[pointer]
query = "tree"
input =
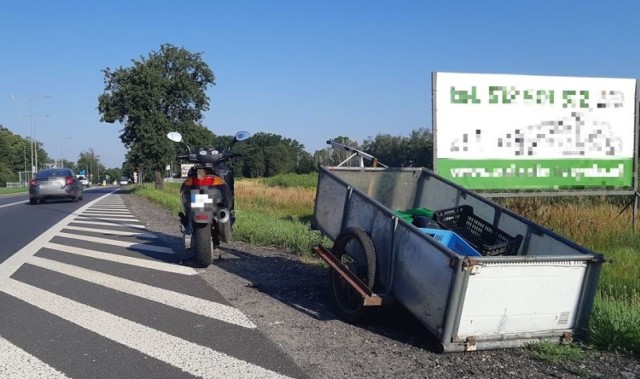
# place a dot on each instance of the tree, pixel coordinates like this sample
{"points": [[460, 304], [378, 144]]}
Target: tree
{"points": [[333, 157], [14, 155], [420, 146], [163, 92], [90, 162], [268, 154], [397, 151]]}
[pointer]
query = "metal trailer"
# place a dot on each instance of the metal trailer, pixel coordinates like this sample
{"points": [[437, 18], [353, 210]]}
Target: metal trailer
{"points": [[543, 292]]}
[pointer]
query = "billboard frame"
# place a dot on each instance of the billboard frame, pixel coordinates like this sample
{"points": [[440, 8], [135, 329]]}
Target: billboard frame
{"points": [[547, 193]]}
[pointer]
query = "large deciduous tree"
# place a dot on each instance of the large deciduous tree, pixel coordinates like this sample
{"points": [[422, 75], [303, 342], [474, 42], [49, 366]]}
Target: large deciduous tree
{"points": [[165, 91]]}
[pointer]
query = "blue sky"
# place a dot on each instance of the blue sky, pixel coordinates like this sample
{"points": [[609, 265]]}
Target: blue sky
{"points": [[306, 70]]}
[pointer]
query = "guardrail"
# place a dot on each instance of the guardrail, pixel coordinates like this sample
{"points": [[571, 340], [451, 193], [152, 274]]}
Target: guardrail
{"points": [[16, 184]]}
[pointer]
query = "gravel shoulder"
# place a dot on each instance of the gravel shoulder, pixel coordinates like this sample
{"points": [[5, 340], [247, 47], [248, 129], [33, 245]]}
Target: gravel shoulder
{"points": [[289, 301]]}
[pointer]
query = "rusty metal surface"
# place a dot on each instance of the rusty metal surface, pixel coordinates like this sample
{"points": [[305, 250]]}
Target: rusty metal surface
{"points": [[370, 299]]}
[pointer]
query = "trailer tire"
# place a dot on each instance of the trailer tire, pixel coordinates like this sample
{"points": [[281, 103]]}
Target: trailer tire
{"points": [[354, 249]]}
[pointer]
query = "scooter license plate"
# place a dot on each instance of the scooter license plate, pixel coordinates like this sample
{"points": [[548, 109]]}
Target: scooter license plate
{"points": [[201, 201]]}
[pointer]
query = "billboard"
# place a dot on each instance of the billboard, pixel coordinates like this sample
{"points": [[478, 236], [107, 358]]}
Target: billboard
{"points": [[534, 132]]}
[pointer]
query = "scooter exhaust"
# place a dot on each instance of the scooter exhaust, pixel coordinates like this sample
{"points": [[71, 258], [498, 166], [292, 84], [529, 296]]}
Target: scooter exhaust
{"points": [[223, 215]]}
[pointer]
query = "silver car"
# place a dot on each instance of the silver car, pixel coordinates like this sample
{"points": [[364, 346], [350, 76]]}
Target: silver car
{"points": [[84, 181], [55, 183]]}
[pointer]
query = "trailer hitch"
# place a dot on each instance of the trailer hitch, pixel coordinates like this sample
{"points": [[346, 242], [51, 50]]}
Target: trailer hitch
{"points": [[370, 298]]}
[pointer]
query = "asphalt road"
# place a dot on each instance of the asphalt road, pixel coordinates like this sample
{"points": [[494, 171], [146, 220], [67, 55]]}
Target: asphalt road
{"points": [[87, 292], [22, 222]]}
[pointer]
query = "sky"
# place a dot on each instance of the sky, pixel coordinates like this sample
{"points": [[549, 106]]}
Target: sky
{"points": [[306, 70]]}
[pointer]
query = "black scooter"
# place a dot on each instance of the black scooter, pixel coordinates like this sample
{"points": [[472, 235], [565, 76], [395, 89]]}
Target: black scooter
{"points": [[207, 199]]}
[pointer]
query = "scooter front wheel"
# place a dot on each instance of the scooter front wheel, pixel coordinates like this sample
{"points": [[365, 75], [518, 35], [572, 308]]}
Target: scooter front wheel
{"points": [[201, 244]]}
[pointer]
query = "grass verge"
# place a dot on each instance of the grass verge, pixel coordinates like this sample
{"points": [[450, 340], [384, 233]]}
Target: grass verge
{"points": [[278, 217], [9, 190]]}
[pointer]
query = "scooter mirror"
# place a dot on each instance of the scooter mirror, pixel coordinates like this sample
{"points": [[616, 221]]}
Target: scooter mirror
{"points": [[241, 136], [174, 136]]}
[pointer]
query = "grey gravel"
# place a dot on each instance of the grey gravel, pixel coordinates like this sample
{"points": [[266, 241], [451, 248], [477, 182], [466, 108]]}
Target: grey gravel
{"points": [[288, 299]]}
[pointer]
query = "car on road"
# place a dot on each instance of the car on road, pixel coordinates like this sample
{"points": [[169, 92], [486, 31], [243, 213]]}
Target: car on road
{"points": [[55, 183], [84, 181], [124, 181]]}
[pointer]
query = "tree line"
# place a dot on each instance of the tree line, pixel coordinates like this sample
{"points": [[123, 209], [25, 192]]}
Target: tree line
{"points": [[16, 158], [166, 91]]}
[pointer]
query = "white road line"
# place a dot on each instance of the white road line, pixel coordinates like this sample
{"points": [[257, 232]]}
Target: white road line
{"points": [[131, 261], [173, 299], [190, 357], [127, 219], [139, 226], [109, 214], [10, 204], [107, 241], [13, 263], [107, 210], [17, 363], [111, 232]]}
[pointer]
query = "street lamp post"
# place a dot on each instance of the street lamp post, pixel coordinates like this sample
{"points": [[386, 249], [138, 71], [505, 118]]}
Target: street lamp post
{"points": [[62, 151], [34, 145]]}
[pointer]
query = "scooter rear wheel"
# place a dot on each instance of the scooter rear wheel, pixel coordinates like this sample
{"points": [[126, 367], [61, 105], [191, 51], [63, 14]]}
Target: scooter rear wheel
{"points": [[201, 244]]}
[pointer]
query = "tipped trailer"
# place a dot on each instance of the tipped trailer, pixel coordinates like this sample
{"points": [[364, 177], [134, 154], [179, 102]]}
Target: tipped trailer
{"points": [[520, 283]]}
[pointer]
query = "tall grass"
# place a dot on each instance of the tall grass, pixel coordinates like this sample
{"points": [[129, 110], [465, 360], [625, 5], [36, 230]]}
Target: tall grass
{"points": [[309, 181], [600, 226]]}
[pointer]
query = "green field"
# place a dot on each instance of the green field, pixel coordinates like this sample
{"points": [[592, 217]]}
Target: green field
{"points": [[277, 212]]}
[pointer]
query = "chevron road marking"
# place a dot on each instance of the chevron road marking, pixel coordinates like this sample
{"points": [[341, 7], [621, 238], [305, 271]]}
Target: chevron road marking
{"points": [[17, 363], [131, 261], [190, 357]]}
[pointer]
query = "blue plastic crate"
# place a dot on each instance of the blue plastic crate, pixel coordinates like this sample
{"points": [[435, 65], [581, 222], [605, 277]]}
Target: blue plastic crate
{"points": [[452, 241]]}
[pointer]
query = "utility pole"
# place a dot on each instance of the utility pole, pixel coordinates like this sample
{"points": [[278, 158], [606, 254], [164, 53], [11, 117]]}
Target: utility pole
{"points": [[62, 151], [34, 144]]}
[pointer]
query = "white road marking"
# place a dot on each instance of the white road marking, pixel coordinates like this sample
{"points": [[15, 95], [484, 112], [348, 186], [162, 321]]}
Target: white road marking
{"points": [[17, 363], [89, 218], [173, 299], [190, 357], [111, 232], [13, 263], [107, 241], [77, 221], [108, 214], [131, 261], [10, 204], [108, 209]]}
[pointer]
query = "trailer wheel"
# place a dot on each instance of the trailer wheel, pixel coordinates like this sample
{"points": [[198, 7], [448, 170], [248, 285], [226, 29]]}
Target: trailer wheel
{"points": [[354, 249]]}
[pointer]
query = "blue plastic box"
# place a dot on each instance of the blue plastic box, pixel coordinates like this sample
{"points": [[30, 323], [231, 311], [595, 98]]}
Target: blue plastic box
{"points": [[452, 241]]}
